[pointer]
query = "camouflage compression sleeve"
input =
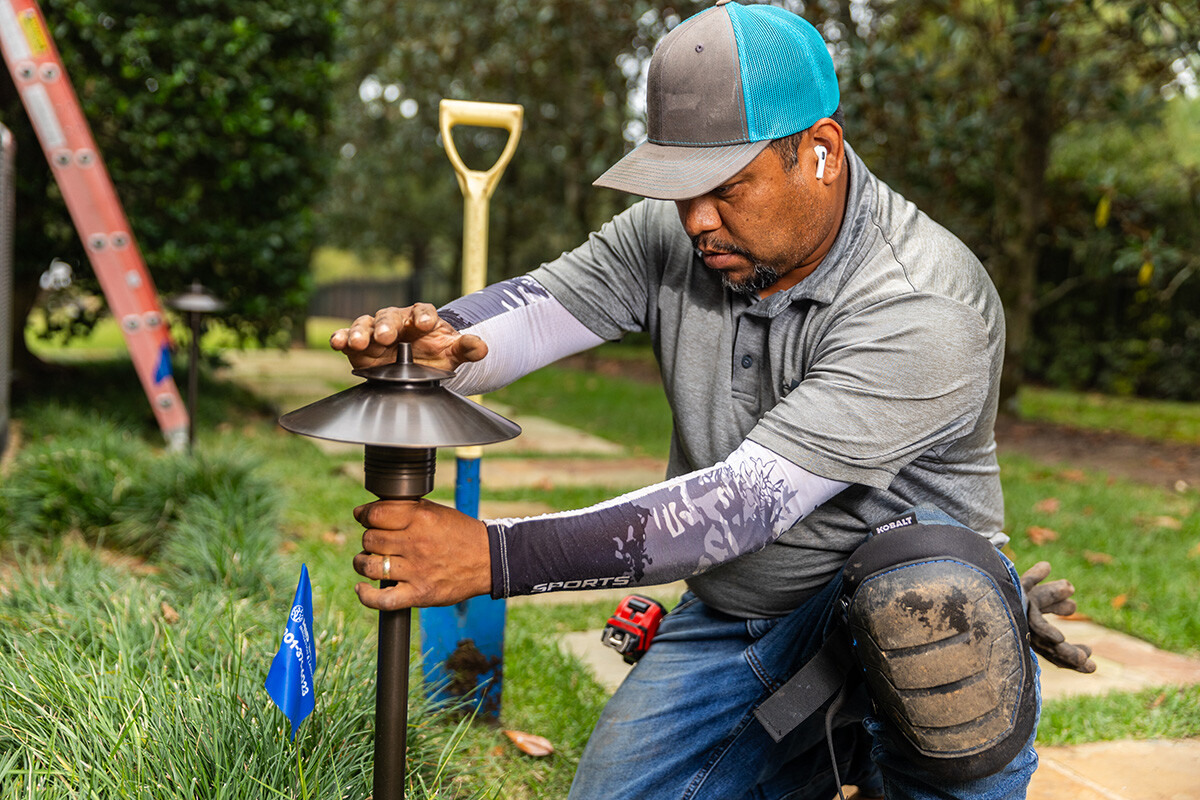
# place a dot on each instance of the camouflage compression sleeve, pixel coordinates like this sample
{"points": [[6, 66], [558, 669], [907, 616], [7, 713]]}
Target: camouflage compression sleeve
{"points": [[524, 328], [662, 533]]}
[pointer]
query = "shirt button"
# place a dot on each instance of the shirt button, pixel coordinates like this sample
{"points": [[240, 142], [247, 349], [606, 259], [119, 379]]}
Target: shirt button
{"points": [[747, 361]]}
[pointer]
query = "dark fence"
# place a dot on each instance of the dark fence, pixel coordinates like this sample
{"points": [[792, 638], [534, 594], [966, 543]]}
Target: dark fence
{"points": [[353, 298]]}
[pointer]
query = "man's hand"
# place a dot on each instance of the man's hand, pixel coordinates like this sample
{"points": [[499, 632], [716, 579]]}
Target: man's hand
{"points": [[437, 556], [1053, 598], [371, 340]]}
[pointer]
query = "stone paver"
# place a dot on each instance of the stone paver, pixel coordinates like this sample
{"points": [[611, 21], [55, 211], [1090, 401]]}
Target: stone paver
{"points": [[1123, 663], [289, 378], [1122, 770], [548, 473], [542, 436]]}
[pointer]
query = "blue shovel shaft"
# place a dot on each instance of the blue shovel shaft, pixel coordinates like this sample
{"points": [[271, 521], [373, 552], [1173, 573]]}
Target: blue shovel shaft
{"points": [[463, 645]]}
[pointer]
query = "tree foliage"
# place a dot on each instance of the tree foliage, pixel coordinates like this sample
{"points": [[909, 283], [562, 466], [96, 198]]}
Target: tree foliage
{"points": [[574, 67], [967, 105], [210, 116]]}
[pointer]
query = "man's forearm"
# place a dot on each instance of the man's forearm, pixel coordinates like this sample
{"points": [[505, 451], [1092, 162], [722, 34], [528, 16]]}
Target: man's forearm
{"points": [[662, 533], [524, 327]]}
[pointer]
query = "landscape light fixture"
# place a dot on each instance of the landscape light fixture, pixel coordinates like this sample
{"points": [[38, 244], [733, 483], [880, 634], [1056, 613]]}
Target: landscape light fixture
{"points": [[402, 414], [194, 303]]}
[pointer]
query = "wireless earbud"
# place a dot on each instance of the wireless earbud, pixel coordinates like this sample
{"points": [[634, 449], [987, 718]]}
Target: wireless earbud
{"points": [[821, 154]]}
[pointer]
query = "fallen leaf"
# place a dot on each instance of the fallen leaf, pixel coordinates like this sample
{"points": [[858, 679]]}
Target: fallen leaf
{"points": [[530, 744], [1048, 506], [1195, 551], [1039, 535], [1073, 475], [1158, 701], [1170, 523], [1077, 617], [1119, 601], [1097, 558], [1181, 486], [170, 615], [334, 537]]}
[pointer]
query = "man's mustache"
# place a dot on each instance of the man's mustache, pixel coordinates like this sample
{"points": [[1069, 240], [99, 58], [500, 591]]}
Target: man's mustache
{"points": [[705, 243]]}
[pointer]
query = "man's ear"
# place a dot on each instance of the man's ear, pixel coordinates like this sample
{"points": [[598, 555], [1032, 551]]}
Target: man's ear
{"points": [[827, 134]]}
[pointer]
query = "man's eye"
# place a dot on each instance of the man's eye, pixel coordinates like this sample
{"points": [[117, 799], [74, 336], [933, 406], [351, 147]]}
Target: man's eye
{"points": [[723, 190]]}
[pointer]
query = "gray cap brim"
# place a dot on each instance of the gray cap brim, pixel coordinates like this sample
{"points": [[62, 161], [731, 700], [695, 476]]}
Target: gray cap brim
{"points": [[667, 172]]}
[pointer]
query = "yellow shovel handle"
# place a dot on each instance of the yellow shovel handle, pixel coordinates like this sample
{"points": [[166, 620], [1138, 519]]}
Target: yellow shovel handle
{"points": [[479, 183], [477, 187]]}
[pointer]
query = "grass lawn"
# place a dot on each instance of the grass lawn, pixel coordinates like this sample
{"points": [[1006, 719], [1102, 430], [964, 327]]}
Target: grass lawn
{"points": [[105, 679], [1151, 419]]}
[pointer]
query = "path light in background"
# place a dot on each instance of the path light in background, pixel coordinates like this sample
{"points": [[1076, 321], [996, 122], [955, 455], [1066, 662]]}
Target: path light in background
{"points": [[194, 303], [401, 414]]}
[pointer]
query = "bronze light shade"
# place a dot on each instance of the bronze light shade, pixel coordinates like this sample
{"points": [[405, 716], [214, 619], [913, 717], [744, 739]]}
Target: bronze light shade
{"points": [[400, 405]]}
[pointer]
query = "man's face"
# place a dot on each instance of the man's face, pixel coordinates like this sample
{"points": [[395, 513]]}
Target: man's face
{"points": [[766, 228]]}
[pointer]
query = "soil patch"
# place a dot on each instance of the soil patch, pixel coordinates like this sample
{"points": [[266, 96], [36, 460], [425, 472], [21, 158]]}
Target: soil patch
{"points": [[1168, 465]]}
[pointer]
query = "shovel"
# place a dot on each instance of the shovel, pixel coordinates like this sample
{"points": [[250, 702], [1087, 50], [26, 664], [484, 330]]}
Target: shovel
{"points": [[463, 645]]}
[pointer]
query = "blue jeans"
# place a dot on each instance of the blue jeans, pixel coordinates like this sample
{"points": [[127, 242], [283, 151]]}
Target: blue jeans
{"points": [[681, 726]]}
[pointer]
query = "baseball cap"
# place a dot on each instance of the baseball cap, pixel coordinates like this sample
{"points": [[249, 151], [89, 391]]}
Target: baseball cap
{"points": [[721, 86]]}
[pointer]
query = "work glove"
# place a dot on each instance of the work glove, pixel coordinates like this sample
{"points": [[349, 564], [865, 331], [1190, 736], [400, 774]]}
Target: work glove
{"points": [[1052, 598]]}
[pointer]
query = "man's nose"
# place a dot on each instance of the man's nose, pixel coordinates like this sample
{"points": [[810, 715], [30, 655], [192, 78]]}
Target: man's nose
{"points": [[698, 215]]}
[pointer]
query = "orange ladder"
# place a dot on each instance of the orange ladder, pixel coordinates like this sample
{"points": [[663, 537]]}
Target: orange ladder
{"points": [[53, 108]]}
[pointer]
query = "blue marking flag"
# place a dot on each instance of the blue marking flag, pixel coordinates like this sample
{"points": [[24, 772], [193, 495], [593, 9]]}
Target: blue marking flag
{"points": [[290, 681], [162, 370]]}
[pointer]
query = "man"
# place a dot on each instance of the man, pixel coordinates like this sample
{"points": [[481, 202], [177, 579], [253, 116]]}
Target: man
{"points": [[832, 359]]}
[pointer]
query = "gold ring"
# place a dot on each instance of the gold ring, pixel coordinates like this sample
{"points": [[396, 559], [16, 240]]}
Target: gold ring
{"points": [[387, 568]]}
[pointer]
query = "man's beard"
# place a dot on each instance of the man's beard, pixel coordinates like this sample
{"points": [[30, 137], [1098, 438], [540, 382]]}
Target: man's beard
{"points": [[763, 277]]}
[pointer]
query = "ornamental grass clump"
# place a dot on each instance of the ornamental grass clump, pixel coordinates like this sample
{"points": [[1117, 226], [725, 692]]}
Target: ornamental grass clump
{"points": [[212, 515], [113, 685], [142, 598]]}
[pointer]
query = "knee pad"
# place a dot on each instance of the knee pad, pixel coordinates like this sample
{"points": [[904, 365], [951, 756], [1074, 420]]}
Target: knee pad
{"points": [[939, 630]]}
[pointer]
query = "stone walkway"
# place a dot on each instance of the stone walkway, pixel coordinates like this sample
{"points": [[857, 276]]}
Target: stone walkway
{"points": [[548, 455]]}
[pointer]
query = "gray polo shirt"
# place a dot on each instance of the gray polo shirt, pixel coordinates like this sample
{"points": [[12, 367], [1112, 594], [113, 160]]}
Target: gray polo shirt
{"points": [[880, 369]]}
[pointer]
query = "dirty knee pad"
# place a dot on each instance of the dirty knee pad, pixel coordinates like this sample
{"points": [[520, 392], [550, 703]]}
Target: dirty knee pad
{"points": [[939, 630]]}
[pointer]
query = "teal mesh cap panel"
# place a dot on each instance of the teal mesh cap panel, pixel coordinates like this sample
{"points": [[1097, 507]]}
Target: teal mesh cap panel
{"points": [[788, 80]]}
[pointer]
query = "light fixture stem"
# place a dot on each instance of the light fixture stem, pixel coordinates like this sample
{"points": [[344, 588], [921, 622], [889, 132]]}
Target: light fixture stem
{"points": [[391, 703], [394, 473]]}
